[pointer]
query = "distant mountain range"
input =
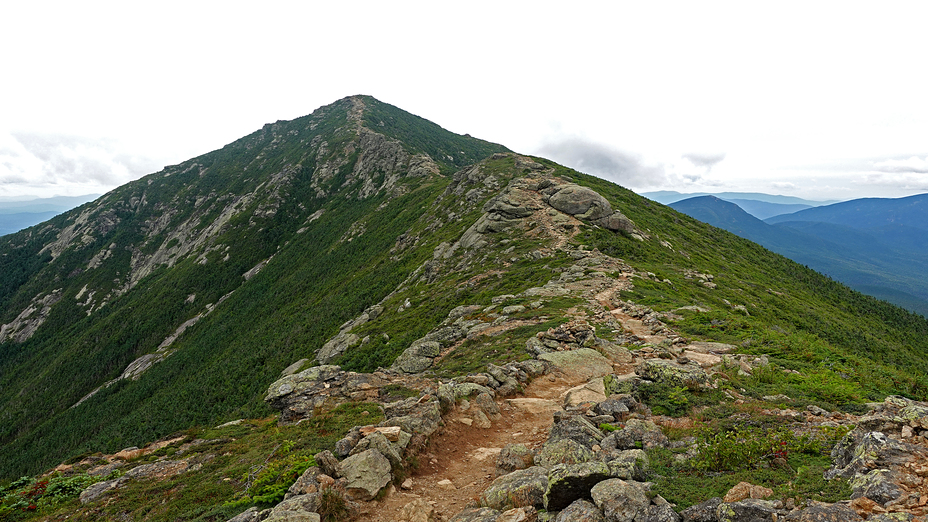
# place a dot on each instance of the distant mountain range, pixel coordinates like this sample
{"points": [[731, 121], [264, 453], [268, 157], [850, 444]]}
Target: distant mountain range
{"points": [[761, 206], [876, 246], [19, 213]]}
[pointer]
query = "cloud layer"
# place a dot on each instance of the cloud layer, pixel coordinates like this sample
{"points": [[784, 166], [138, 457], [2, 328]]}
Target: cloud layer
{"points": [[62, 163]]}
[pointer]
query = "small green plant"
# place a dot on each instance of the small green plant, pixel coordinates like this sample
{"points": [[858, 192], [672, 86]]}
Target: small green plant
{"points": [[605, 426], [332, 506]]}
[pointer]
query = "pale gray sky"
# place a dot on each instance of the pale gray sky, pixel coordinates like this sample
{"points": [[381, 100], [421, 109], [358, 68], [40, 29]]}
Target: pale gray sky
{"points": [[822, 100]]}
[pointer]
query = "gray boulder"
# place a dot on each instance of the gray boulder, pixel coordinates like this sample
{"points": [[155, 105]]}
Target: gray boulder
{"points": [[580, 364], [630, 465], [580, 511], [660, 513], [831, 513], [563, 451], [514, 457], [366, 474], [703, 512], [249, 515], [575, 427], [620, 500], [386, 448], [748, 510], [95, 491], [301, 508], [525, 487], [613, 407], [581, 202], [569, 482], [689, 375], [638, 434]]}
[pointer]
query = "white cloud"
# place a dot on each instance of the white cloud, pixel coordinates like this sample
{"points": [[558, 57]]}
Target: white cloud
{"points": [[913, 164], [64, 163]]}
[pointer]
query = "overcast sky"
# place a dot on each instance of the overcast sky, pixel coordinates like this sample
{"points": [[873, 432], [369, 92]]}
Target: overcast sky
{"points": [[822, 100]]}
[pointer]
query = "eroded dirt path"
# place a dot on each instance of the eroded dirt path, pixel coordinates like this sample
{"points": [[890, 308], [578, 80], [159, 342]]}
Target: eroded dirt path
{"points": [[466, 455]]}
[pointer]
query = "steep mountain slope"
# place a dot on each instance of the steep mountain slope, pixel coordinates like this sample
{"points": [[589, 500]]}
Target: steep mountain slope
{"points": [[360, 235], [234, 262], [863, 258]]}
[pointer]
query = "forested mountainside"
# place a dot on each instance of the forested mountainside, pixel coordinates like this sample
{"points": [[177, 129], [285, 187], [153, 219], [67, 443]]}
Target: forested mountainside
{"points": [[859, 243], [175, 300]]}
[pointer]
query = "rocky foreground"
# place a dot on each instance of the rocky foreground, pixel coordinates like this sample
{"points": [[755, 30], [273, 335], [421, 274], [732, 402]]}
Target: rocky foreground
{"points": [[562, 436], [580, 472]]}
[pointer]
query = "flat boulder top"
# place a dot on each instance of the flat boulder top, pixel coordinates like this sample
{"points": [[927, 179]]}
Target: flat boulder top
{"points": [[583, 363], [707, 347]]}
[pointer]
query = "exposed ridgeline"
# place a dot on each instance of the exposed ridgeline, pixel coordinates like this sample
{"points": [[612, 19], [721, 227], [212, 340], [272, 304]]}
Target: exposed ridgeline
{"points": [[354, 236], [93, 299]]}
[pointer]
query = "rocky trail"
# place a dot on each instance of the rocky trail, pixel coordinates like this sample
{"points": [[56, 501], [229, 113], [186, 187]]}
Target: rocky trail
{"points": [[461, 461]]}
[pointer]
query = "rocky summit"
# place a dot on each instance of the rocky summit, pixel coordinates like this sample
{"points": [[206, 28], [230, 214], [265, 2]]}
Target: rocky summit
{"points": [[358, 315]]}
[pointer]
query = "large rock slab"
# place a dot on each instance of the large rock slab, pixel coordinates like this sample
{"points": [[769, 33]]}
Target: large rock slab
{"points": [[749, 510], [690, 376], [593, 391], [581, 202], [620, 500], [564, 451], [580, 364], [580, 511], [366, 474], [570, 482], [525, 487], [575, 427]]}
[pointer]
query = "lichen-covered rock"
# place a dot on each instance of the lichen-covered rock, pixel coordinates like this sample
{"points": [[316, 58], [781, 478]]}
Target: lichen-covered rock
{"points": [[690, 375], [563, 451], [409, 362], [514, 457], [575, 427], [580, 364], [337, 346], [581, 202], [828, 513], [749, 510], [95, 491], [877, 485], [302, 508], [525, 487], [591, 392], [379, 441], [485, 402], [639, 434], [366, 474], [306, 483], [630, 465], [466, 389], [328, 464], [249, 515], [414, 416], [569, 482], [620, 500], [660, 513], [580, 511], [613, 407], [702, 512]]}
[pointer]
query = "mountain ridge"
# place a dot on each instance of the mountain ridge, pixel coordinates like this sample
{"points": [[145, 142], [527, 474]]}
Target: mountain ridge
{"points": [[388, 242]]}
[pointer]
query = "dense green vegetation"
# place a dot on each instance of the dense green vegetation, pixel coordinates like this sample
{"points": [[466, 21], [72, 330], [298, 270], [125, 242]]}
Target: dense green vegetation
{"points": [[803, 320], [248, 464]]}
